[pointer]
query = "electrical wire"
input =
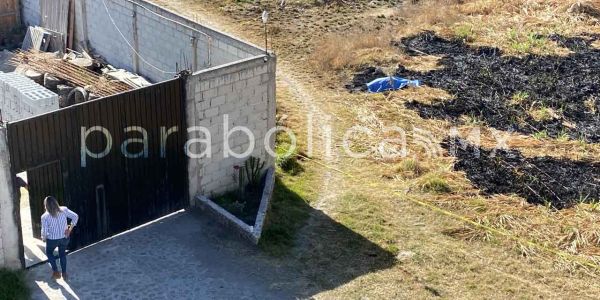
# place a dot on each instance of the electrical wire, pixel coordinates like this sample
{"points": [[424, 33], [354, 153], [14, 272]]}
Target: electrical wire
{"points": [[129, 44], [170, 20]]}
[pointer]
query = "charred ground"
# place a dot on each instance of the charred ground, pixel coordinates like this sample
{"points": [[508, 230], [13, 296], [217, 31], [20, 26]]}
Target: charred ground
{"points": [[506, 91], [541, 180]]}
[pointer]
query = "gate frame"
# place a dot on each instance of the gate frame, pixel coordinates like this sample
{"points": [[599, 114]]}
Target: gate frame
{"points": [[182, 77]]}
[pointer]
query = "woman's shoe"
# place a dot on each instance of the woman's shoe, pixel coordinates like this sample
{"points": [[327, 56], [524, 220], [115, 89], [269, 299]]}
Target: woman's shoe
{"points": [[55, 275]]}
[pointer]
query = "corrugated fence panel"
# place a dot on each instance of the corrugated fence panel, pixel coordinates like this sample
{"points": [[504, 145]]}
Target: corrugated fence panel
{"points": [[112, 193]]}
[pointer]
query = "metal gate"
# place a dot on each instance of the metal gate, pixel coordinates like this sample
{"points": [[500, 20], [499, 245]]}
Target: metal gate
{"points": [[117, 161]]}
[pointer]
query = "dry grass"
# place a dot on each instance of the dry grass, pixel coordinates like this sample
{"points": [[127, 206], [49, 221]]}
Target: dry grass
{"points": [[569, 230], [411, 168], [336, 52], [424, 14], [466, 261], [517, 27]]}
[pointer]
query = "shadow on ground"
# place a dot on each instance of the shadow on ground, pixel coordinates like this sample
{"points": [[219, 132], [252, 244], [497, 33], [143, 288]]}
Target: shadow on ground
{"points": [[556, 94], [188, 255], [541, 180], [327, 253]]}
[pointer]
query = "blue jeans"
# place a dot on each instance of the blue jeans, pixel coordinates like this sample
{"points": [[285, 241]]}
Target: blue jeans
{"points": [[62, 253]]}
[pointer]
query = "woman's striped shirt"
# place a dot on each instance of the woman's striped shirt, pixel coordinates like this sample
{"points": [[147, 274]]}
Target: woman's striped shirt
{"points": [[53, 228]]}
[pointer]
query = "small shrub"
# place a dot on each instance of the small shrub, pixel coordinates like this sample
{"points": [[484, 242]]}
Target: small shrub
{"points": [[464, 32], [543, 114], [285, 159], [290, 165], [540, 135], [435, 184], [519, 98], [411, 168]]}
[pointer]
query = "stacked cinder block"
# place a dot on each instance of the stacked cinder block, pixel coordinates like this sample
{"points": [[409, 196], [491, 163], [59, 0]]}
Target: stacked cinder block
{"points": [[21, 97]]}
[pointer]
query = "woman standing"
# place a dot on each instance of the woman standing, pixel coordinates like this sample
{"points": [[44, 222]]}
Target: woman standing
{"points": [[55, 232]]}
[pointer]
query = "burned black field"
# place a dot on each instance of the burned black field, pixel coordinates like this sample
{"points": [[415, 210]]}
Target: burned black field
{"points": [[503, 91], [541, 180], [558, 96]]}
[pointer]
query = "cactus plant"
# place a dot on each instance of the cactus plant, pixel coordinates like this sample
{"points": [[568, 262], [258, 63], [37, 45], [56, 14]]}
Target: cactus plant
{"points": [[253, 167]]}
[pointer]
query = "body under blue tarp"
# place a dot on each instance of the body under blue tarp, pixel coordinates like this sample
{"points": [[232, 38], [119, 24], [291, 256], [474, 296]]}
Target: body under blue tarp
{"points": [[390, 84]]}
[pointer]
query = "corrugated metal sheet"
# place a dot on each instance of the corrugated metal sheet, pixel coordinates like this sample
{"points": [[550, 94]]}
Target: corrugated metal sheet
{"points": [[114, 193], [55, 16]]}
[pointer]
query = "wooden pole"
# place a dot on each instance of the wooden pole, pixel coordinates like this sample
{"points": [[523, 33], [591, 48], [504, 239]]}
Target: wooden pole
{"points": [[71, 24]]}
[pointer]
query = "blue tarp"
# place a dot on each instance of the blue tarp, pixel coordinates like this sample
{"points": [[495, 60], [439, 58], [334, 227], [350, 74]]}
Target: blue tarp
{"points": [[390, 84]]}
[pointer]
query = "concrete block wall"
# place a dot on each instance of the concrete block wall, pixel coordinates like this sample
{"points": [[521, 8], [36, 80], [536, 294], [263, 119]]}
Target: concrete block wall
{"points": [[163, 39], [30, 12], [10, 244], [244, 93]]}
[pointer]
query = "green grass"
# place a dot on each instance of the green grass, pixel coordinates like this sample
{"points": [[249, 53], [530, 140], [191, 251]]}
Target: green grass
{"points": [[287, 160], [464, 32], [12, 285], [543, 114], [541, 135], [289, 212], [526, 42], [365, 215], [563, 136], [411, 168], [435, 184], [244, 210], [519, 98]]}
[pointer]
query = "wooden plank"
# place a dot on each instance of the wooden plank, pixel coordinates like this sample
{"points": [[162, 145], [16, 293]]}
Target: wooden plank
{"points": [[9, 15], [17, 6]]}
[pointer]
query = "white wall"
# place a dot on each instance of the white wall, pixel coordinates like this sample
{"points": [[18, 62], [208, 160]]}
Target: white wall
{"points": [[30, 12], [164, 39], [245, 91], [10, 244]]}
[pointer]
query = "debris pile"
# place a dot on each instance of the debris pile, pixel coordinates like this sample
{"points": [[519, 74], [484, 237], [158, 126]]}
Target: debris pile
{"points": [[75, 76], [70, 72], [38, 38]]}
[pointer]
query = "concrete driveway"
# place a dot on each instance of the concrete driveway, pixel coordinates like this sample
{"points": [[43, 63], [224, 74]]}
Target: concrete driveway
{"points": [[183, 256]]}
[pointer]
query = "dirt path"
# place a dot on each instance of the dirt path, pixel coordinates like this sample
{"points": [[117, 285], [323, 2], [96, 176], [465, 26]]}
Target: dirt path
{"points": [[437, 263], [286, 79]]}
